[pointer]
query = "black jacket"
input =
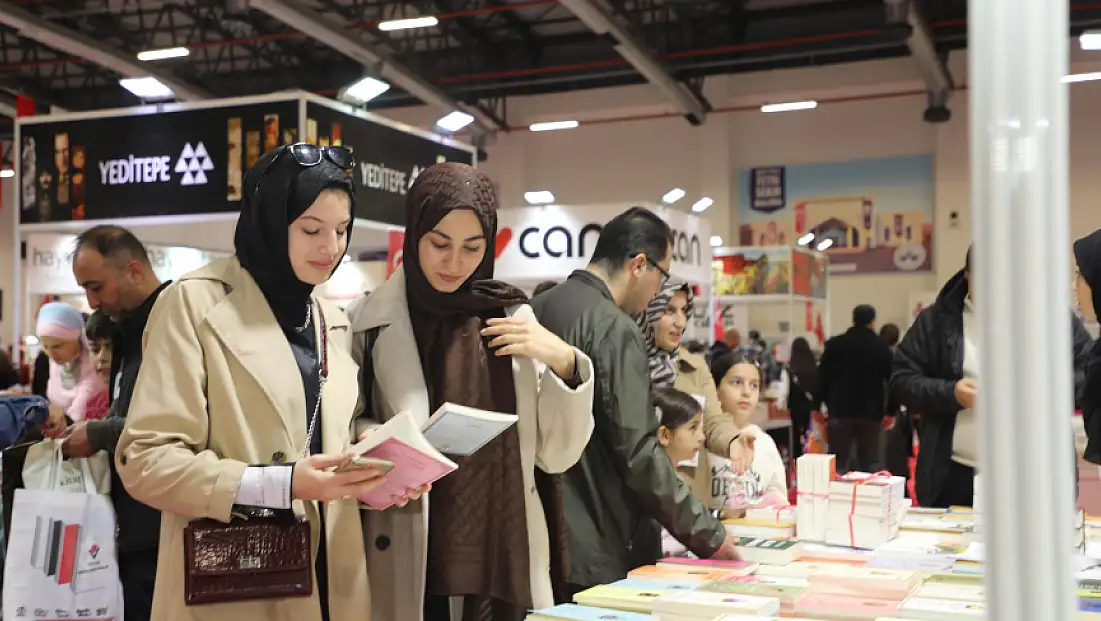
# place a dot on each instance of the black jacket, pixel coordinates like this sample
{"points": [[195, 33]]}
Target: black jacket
{"points": [[139, 526], [927, 365], [624, 476], [853, 375]]}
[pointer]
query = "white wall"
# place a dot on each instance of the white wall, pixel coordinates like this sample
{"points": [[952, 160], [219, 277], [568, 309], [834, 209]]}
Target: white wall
{"points": [[880, 115]]}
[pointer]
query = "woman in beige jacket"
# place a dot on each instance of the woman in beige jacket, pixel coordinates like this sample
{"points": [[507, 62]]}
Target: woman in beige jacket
{"points": [[232, 379], [478, 546]]}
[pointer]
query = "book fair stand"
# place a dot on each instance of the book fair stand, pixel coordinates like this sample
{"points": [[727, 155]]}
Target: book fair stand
{"points": [[1022, 552], [173, 173]]}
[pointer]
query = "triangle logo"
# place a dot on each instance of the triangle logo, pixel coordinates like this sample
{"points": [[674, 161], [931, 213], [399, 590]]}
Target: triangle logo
{"points": [[181, 165], [187, 152], [208, 164], [200, 151], [200, 178], [187, 179], [193, 165]]}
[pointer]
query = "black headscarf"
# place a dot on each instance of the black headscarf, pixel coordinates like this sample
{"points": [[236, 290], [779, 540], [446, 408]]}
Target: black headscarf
{"points": [[286, 192], [1087, 254], [439, 190]]}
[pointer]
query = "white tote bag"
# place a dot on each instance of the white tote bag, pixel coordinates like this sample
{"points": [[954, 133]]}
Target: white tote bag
{"points": [[42, 467], [61, 561]]}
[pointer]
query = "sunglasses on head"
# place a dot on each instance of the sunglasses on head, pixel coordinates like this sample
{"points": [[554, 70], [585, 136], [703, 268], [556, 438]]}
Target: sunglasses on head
{"points": [[307, 155]]}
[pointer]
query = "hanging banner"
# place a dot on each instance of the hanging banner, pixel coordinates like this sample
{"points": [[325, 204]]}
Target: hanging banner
{"points": [[388, 157], [172, 163], [48, 268], [549, 242]]}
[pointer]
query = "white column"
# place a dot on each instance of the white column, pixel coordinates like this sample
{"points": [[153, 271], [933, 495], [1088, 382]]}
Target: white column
{"points": [[1018, 54]]}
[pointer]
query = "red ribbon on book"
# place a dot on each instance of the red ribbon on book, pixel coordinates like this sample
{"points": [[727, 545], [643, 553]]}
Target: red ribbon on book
{"points": [[848, 478]]}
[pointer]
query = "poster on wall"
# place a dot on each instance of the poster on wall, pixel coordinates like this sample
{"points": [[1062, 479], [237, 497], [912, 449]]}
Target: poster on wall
{"points": [[751, 271], [869, 216], [549, 242], [387, 159], [167, 164]]}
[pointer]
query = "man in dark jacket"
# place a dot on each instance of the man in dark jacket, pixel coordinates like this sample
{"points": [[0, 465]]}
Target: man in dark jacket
{"points": [[113, 268], [936, 375], [624, 479], [852, 382]]}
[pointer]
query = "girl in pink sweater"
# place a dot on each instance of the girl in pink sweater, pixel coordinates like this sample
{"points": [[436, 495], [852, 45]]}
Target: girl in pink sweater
{"points": [[73, 378]]}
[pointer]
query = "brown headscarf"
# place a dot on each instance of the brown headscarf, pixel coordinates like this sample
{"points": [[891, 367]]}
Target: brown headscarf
{"points": [[477, 529]]}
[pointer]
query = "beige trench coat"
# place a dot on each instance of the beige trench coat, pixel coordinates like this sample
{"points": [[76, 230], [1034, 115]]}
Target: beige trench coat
{"points": [[555, 425], [219, 389]]}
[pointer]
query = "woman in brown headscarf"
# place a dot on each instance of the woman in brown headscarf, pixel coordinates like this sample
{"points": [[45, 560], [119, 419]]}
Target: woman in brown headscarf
{"points": [[478, 547]]}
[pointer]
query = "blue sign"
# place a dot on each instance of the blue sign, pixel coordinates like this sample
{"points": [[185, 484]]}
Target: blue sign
{"points": [[766, 190]]}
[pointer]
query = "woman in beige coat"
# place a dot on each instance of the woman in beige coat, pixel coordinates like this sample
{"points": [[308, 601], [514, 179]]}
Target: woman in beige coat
{"points": [[242, 367], [477, 547]]}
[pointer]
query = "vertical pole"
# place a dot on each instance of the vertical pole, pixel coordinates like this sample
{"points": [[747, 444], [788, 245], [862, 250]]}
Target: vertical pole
{"points": [[1018, 56]]}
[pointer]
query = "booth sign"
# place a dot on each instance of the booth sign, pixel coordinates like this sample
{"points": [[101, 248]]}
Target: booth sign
{"points": [[547, 243]]}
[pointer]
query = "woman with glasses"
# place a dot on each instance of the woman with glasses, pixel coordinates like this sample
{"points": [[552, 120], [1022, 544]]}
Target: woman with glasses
{"points": [[488, 540], [245, 400]]}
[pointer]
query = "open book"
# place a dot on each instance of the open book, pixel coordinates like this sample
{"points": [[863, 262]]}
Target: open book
{"points": [[418, 454]]}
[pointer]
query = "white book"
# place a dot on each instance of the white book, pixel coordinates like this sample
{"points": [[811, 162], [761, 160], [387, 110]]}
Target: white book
{"points": [[460, 430], [941, 609], [708, 605]]}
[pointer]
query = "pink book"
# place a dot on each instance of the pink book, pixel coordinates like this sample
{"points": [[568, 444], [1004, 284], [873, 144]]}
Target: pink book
{"points": [[847, 608], [742, 568], [416, 461]]}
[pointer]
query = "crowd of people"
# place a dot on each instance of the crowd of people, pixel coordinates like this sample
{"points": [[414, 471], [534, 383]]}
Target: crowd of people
{"points": [[236, 391]]}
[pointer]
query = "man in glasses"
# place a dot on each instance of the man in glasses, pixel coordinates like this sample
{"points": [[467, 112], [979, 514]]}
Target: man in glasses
{"points": [[624, 479]]}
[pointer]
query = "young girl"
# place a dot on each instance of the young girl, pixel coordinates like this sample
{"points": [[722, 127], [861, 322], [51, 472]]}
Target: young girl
{"points": [[738, 381], [681, 435]]}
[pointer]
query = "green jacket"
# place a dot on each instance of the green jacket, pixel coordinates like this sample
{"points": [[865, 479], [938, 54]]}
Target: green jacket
{"points": [[624, 475]]}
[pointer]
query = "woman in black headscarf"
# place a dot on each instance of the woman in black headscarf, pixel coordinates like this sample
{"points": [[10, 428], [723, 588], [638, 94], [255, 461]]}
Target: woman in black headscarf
{"points": [[246, 393], [1087, 292], [484, 537]]}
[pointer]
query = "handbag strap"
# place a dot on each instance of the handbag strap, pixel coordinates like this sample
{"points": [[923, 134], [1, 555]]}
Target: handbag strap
{"points": [[322, 377]]}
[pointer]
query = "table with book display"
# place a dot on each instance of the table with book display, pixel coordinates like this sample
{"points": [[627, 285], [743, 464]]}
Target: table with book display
{"points": [[853, 548]]}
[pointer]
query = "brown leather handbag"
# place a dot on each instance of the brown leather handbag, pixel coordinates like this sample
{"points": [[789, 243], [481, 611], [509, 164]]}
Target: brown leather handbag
{"points": [[260, 553]]}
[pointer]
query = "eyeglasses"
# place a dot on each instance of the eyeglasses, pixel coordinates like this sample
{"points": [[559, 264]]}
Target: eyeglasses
{"points": [[665, 275], [309, 155]]}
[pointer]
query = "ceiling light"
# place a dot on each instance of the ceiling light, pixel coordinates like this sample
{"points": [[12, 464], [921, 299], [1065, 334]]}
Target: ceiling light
{"points": [[147, 88], [1090, 40], [701, 205], [789, 106], [363, 91], [716, 241], [806, 239], [406, 24], [825, 243], [539, 197], [672, 196], [551, 126], [7, 173], [1082, 77], [455, 121], [171, 52]]}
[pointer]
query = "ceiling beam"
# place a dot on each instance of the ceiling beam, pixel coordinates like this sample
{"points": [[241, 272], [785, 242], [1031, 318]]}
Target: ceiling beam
{"points": [[600, 20], [375, 57], [938, 81], [72, 42]]}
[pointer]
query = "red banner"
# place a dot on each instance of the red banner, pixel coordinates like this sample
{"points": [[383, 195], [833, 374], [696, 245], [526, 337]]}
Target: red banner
{"points": [[24, 106], [394, 252]]}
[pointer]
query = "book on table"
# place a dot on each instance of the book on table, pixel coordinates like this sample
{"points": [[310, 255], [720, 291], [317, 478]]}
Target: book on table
{"points": [[420, 453]]}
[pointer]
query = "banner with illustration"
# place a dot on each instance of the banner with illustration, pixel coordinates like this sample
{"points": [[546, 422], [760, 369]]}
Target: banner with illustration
{"points": [[869, 216]]}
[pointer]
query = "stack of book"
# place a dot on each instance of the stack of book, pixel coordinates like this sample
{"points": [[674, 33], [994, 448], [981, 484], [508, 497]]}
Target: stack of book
{"points": [[705, 606], [769, 551], [941, 609], [787, 590], [772, 515], [856, 593], [748, 527], [864, 510], [814, 473], [574, 612], [925, 554]]}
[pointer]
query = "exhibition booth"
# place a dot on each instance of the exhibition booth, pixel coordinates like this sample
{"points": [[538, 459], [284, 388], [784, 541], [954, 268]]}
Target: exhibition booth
{"points": [[173, 174]]}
